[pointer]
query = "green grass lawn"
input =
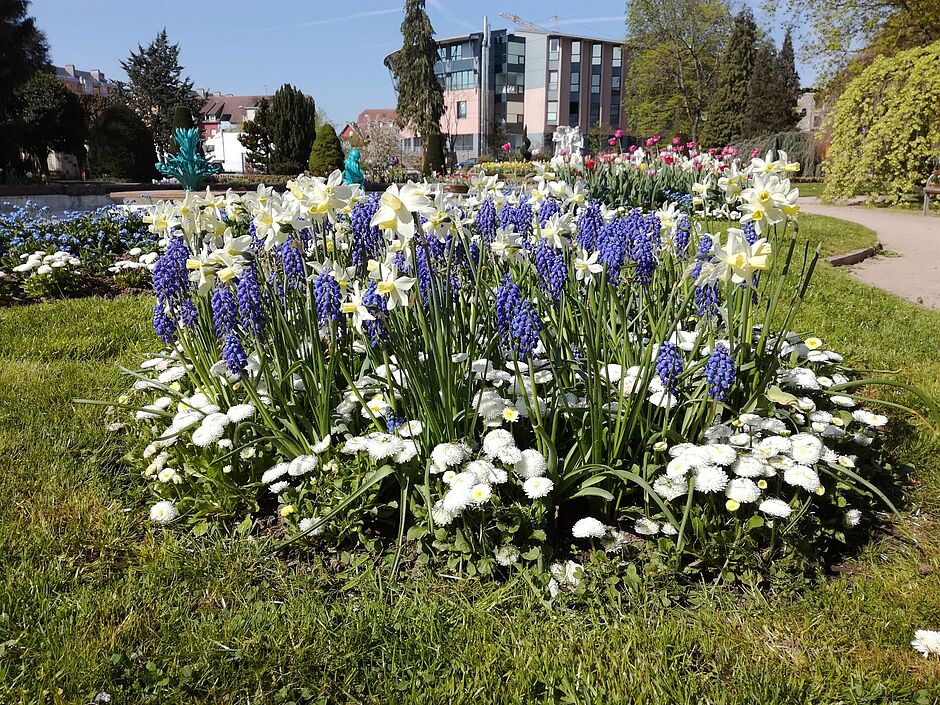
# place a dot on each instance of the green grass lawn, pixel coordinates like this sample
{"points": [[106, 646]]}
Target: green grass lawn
{"points": [[93, 598]]}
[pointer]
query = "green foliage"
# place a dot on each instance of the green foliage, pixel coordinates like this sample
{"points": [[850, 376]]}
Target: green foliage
{"points": [[24, 52], [53, 119], [885, 126], [728, 111], [182, 119], [790, 88], [327, 153], [672, 51], [802, 147], [256, 138], [157, 87], [434, 160], [122, 146], [420, 96], [291, 126]]}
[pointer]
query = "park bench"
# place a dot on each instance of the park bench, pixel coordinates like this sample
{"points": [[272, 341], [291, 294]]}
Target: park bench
{"points": [[931, 188]]}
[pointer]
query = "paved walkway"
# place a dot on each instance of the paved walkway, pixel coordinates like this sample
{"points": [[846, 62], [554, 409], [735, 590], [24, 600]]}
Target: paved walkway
{"points": [[913, 272]]}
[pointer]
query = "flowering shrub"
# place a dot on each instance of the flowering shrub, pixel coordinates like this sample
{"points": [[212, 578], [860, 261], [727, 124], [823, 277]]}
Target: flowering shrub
{"points": [[498, 377]]}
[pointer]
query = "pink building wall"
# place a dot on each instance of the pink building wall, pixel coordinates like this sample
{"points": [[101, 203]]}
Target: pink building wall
{"points": [[534, 110]]}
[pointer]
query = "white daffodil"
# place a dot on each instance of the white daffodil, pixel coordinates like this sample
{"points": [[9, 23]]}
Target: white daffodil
{"points": [[393, 286], [354, 307], [586, 266], [397, 206], [736, 260]]}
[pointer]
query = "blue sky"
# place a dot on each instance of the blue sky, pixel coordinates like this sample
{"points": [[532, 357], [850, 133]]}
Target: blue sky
{"points": [[331, 50]]}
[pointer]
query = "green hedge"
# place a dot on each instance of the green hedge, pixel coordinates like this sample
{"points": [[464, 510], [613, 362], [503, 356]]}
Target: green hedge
{"points": [[802, 147]]}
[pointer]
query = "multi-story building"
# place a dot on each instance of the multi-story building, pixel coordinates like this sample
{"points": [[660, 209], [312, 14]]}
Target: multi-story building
{"points": [[498, 81], [91, 82], [812, 114], [220, 122]]}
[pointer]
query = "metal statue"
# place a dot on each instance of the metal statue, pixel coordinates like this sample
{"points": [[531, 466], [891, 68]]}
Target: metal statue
{"points": [[188, 165], [353, 173]]}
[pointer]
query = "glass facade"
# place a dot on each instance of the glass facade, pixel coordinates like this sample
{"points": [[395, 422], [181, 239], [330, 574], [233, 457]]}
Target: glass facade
{"points": [[574, 86]]}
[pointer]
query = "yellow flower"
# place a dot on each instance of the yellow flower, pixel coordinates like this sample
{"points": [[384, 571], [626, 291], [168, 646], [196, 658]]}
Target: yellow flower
{"points": [[762, 484], [287, 510], [732, 505], [813, 343]]}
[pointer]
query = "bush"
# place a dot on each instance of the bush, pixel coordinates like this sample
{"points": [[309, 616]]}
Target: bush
{"points": [[291, 127], [122, 146], [326, 156], [885, 127]]}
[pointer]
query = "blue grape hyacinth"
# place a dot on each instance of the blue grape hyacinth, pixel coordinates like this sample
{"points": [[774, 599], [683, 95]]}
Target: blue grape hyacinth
{"points": [[719, 372], [669, 366]]}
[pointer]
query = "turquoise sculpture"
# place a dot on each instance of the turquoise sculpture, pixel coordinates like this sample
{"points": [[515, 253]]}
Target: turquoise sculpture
{"points": [[353, 173], [188, 165]]}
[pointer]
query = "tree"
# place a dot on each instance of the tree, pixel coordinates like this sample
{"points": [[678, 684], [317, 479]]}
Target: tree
{"points": [[841, 34], [256, 138], [53, 119], [727, 113], [790, 89], [291, 123], [885, 132], [157, 87], [672, 52], [420, 95], [382, 148], [434, 159], [764, 94], [182, 119], [24, 51], [121, 145], [327, 153]]}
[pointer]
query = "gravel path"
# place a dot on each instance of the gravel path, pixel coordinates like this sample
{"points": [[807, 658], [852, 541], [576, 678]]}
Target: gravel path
{"points": [[912, 270]]}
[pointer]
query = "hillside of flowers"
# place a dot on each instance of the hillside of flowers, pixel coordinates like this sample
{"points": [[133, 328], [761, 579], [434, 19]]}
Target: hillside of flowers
{"points": [[47, 256], [505, 379]]}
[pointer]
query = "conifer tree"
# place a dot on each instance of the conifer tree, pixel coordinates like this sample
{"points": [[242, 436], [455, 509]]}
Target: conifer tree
{"points": [[326, 156], [764, 94], [420, 95], [157, 87], [790, 90], [256, 138], [726, 114], [291, 123]]}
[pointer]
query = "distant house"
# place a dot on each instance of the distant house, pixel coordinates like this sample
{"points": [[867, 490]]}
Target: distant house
{"points": [[220, 124], [372, 116], [351, 135], [813, 113], [91, 82], [83, 83]]}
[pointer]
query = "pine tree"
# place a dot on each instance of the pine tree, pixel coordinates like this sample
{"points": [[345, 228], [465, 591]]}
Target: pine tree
{"points": [[182, 119], [327, 153], [790, 90], [292, 129], [256, 138], [420, 96], [157, 87], [121, 145], [762, 112], [23, 52], [726, 114]]}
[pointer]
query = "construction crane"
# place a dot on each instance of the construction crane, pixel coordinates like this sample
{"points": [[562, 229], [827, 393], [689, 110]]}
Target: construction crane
{"points": [[531, 26]]}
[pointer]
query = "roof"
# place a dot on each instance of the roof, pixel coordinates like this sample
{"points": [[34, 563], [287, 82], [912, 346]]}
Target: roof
{"points": [[371, 115], [229, 108], [92, 78]]}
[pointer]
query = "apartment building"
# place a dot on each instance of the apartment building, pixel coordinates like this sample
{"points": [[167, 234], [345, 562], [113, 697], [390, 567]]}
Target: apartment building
{"points": [[498, 81]]}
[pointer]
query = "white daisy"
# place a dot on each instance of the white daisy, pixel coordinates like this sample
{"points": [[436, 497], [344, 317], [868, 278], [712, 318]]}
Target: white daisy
{"points": [[805, 448], [670, 487], [710, 478], [531, 464], [802, 476], [163, 512], [240, 412], [645, 526], [588, 527], [480, 493], [927, 642], [775, 508], [537, 487], [742, 490]]}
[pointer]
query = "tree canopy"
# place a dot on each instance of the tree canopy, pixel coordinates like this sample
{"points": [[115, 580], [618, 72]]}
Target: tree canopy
{"points": [[53, 119], [727, 113], [885, 131], [291, 127], [420, 95], [673, 49], [121, 145], [157, 87]]}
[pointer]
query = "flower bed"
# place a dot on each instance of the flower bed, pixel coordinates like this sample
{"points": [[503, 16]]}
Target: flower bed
{"points": [[44, 256], [499, 378]]}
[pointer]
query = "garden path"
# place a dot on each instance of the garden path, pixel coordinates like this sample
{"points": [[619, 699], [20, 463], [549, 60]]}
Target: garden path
{"points": [[912, 269]]}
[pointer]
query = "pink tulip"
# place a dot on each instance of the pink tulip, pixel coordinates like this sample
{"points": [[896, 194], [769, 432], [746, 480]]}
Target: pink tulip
{"points": [[618, 134], [676, 140], [612, 141], [506, 147]]}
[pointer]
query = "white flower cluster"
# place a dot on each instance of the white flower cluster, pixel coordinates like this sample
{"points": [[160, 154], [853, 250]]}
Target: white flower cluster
{"points": [[41, 262]]}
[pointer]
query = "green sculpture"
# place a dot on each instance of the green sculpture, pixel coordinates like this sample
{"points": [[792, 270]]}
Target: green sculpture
{"points": [[353, 173], [188, 165]]}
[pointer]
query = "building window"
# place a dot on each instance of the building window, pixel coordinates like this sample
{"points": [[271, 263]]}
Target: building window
{"points": [[516, 53], [595, 114], [595, 83], [596, 54], [574, 113], [553, 112], [618, 57], [575, 52], [461, 108], [460, 80], [553, 49], [553, 80], [575, 81], [615, 113], [615, 82]]}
